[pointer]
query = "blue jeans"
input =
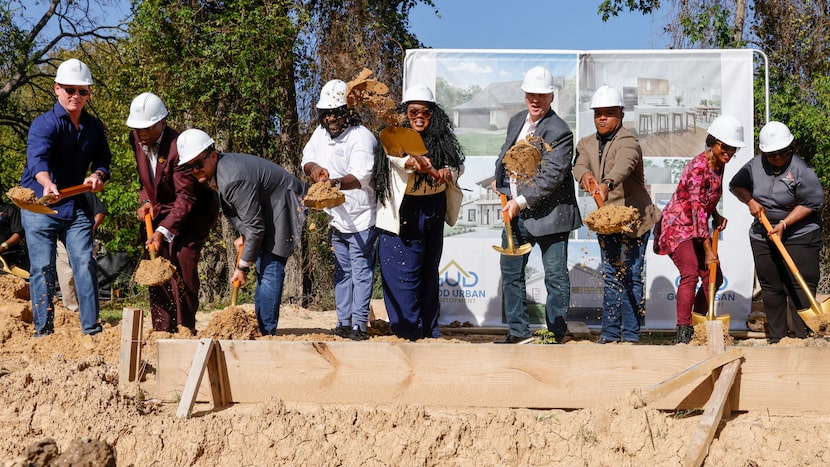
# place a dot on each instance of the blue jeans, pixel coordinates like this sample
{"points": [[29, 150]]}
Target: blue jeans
{"points": [[623, 258], [270, 270], [557, 282], [354, 275], [42, 235]]}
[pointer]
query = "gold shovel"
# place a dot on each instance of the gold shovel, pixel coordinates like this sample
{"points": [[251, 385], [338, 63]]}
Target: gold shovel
{"points": [[808, 314], [235, 291], [713, 278], [511, 249], [14, 270], [399, 141], [40, 206]]}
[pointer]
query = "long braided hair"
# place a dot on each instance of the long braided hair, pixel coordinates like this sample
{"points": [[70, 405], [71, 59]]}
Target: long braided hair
{"points": [[443, 150]]}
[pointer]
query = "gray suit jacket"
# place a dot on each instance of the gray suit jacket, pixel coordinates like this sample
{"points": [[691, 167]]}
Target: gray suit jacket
{"points": [[263, 201], [550, 195]]}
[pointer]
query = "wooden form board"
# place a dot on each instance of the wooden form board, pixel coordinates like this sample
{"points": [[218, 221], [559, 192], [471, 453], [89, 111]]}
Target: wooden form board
{"points": [[486, 375]]}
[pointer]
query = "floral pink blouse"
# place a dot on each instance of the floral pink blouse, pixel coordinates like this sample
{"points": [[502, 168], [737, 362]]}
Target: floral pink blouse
{"points": [[687, 214]]}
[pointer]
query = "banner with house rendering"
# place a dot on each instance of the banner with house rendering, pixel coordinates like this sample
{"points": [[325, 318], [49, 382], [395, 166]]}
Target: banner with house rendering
{"points": [[670, 97]]}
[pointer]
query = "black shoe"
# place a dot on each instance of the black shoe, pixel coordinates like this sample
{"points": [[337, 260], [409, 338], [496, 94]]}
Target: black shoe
{"points": [[603, 340], [358, 335], [684, 334], [342, 331], [511, 339]]}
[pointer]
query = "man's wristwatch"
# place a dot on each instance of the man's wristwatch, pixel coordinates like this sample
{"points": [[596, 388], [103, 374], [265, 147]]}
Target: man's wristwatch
{"points": [[336, 182], [245, 269], [610, 184]]}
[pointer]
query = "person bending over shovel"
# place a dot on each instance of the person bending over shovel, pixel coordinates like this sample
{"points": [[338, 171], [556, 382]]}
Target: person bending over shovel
{"points": [[263, 201], [610, 161], [542, 209], [182, 213]]}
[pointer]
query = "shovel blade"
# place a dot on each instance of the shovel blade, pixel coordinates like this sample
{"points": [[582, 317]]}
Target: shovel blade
{"points": [[810, 316], [34, 207], [397, 141], [520, 251]]}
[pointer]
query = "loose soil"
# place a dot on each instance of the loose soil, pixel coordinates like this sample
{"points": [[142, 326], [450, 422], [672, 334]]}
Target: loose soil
{"points": [[154, 271], [522, 160], [22, 195], [613, 219], [60, 404], [322, 195]]}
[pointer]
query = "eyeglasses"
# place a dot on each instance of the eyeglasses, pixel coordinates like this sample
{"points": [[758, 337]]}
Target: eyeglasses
{"points": [[71, 91], [779, 153], [415, 113], [195, 164], [333, 113], [727, 148]]}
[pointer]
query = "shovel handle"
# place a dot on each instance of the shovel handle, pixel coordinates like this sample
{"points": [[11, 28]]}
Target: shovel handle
{"points": [[508, 228], [236, 283], [66, 193], [148, 225], [592, 187], [713, 276], [790, 263]]}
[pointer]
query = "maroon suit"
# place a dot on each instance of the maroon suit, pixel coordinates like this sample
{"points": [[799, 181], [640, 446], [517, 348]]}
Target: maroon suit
{"points": [[188, 210]]}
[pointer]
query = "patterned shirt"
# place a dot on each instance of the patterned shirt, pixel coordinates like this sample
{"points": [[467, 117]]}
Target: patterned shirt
{"points": [[687, 214]]}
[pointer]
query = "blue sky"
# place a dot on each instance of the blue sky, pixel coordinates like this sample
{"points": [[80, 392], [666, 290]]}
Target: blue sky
{"points": [[532, 24]]}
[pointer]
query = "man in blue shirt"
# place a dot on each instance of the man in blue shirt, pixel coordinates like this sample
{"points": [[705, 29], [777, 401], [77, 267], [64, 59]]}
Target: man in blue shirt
{"points": [[66, 147]]}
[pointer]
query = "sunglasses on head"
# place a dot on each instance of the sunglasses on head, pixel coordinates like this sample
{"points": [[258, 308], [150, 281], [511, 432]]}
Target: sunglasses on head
{"points": [[71, 91], [414, 113]]}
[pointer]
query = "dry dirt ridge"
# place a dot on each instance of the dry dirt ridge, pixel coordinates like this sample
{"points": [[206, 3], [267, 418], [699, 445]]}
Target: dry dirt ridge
{"points": [[61, 405]]}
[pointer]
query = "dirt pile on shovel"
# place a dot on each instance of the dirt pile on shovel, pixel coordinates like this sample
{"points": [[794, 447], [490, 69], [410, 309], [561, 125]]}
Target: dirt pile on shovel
{"points": [[819, 324], [22, 195], [322, 195], [613, 219], [522, 160], [154, 271]]}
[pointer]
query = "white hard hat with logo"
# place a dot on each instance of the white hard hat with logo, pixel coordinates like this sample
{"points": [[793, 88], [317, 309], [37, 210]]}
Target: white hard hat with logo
{"points": [[191, 143], [418, 92], [774, 136], [538, 80], [146, 110], [73, 72], [606, 96], [333, 95], [729, 130]]}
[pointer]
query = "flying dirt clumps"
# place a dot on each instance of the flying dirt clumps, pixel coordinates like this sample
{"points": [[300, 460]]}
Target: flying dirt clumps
{"points": [[322, 195], [22, 195], [522, 160], [613, 219], [154, 272], [233, 323], [373, 94]]}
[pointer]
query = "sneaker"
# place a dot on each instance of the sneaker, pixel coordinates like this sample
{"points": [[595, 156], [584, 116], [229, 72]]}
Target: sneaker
{"points": [[342, 331], [603, 340], [684, 334], [358, 335]]}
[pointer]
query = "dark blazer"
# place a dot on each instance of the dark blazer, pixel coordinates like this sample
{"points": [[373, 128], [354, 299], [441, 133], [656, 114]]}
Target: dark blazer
{"points": [[550, 194], [263, 201], [181, 204]]}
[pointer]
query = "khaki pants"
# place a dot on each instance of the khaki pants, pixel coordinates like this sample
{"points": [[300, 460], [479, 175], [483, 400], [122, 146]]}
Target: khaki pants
{"points": [[66, 280]]}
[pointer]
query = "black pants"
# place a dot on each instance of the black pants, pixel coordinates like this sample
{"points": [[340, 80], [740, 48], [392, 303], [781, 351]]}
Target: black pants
{"points": [[778, 283]]}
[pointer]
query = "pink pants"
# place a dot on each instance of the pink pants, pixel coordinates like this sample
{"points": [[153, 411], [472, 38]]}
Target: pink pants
{"points": [[690, 259]]}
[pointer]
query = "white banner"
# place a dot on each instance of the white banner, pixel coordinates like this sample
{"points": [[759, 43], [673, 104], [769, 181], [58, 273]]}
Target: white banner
{"points": [[670, 98]]}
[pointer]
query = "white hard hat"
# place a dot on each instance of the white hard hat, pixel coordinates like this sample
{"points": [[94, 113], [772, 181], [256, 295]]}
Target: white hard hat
{"points": [[418, 92], [146, 110], [73, 72], [606, 96], [191, 143], [728, 129], [774, 136], [333, 95], [538, 80]]}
